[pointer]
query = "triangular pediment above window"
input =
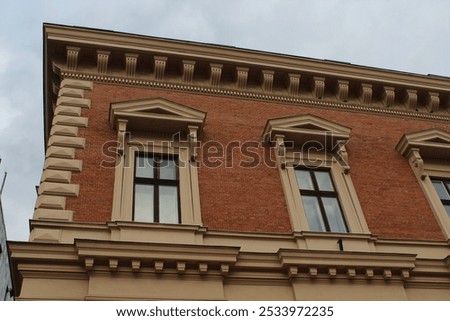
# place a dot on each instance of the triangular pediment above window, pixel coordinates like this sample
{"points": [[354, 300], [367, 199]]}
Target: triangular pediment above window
{"points": [[304, 129], [431, 143], [156, 115]]}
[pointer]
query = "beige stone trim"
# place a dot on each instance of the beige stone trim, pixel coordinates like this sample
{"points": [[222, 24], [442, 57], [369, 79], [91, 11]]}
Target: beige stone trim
{"points": [[241, 77], [129, 251], [331, 137], [107, 266], [295, 129], [123, 41], [73, 165], [352, 210], [249, 242], [70, 121], [366, 94], [267, 80], [348, 262], [130, 64], [74, 101], [215, 74], [68, 110], [413, 90], [318, 87], [433, 102], [156, 115], [76, 84], [293, 84], [60, 152], [60, 163], [428, 152], [388, 96], [51, 202], [188, 71], [64, 130], [60, 189], [342, 90], [71, 92], [56, 176], [349, 106], [102, 61], [72, 57], [169, 118], [47, 236], [411, 99], [188, 180], [66, 141], [50, 214], [160, 67]]}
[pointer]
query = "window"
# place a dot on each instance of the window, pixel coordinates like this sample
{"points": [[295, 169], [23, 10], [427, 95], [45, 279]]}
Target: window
{"points": [[156, 175], [156, 189], [442, 188], [428, 153], [315, 174], [320, 200]]}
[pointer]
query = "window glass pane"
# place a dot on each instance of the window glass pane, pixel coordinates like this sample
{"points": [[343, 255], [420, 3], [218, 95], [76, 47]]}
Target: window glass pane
{"points": [[143, 203], [168, 204], [447, 208], [334, 215], [324, 181], [167, 169], [440, 189], [304, 179], [312, 211], [144, 166]]}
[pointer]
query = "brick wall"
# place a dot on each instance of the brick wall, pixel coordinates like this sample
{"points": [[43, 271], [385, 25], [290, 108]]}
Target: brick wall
{"points": [[251, 199]]}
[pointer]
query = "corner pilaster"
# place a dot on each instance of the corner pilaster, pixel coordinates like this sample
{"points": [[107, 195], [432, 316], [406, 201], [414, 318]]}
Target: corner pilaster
{"points": [[56, 180]]}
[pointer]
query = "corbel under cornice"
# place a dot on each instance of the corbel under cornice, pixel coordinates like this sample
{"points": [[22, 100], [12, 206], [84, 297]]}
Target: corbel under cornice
{"points": [[235, 72]]}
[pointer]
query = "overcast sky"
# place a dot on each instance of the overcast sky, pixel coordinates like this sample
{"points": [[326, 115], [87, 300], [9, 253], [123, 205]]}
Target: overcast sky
{"points": [[405, 35]]}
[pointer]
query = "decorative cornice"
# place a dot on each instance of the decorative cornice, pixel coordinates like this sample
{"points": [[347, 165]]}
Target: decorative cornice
{"points": [[229, 71], [335, 262], [254, 95], [160, 255]]}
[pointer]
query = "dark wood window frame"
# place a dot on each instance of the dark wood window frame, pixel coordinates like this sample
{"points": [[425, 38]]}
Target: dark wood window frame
{"points": [[445, 182], [319, 194], [157, 182]]}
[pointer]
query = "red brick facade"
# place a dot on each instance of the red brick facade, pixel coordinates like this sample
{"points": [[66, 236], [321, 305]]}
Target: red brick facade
{"points": [[251, 199], [378, 230]]}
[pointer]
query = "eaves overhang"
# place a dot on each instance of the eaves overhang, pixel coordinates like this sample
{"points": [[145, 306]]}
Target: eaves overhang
{"points": [[109, 56]]}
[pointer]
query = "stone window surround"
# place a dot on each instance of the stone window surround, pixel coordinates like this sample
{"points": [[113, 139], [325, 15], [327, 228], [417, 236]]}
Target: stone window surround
{"points": [[300, 129], [428, 153], [129, 118]]}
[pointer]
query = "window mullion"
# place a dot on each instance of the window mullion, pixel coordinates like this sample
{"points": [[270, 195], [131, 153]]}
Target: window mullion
{"points": [[319, 198], [156, 162], [324, 215]]}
